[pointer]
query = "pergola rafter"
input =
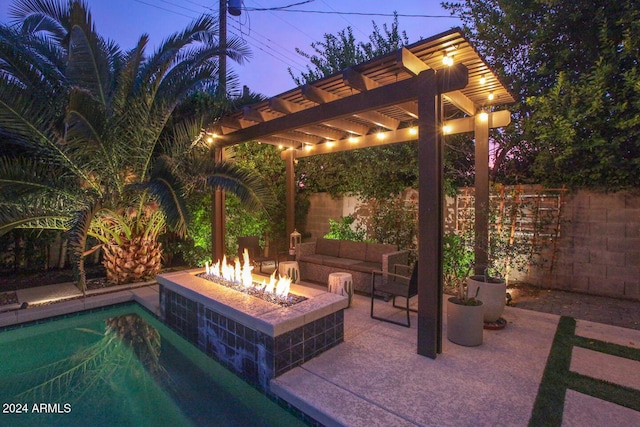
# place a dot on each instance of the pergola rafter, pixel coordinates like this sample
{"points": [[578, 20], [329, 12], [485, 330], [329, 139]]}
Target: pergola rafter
{"points": [[402, 96]]}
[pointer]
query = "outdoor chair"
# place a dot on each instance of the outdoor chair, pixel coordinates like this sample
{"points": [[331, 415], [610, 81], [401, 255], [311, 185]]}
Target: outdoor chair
{"points": [[256, 253], [395, 285]]}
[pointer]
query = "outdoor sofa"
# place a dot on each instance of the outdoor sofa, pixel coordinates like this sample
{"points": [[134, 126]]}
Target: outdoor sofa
{"points": [[319, 258]]}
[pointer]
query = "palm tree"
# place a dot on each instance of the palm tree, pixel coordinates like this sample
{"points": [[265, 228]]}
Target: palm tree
{"points": [[95, 151]]}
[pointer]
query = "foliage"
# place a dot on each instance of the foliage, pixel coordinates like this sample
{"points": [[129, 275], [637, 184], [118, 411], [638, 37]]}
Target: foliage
{"points": [[371, 173], [239, 223], [394, 221], [269, 224], [194, 248], [577, 91], [601, 112], [99, 151], [337, 52], [457, 262], [344, 230], [25, 250]]}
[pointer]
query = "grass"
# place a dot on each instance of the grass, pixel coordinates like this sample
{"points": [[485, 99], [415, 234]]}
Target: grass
{"points": [[557, 377]]}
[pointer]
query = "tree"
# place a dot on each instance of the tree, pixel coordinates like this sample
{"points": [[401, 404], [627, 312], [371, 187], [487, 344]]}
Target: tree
{"points": [[577, 89], [338, 52], [99, 154]]}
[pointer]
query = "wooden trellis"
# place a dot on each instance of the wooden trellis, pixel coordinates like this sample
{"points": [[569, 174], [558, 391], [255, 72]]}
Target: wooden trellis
{"points": [[532, 213]]}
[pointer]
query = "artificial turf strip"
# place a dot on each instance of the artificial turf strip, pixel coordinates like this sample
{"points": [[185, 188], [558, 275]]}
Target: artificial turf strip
{"points": [[607, 347], [549, 404], [604, 390], [557, 378]]}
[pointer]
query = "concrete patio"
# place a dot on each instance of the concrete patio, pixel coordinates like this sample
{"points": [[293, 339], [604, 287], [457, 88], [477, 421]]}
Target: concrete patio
{"points": [[375, 378]]}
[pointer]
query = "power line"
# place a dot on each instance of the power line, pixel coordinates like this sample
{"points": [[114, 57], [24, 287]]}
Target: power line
{"points": [[284, 52], [257, 43], [333, 12], [163, 8], [285, 21], [346, 20]]}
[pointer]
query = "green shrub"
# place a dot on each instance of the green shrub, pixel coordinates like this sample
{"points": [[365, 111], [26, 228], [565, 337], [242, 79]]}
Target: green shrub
{"points": [[343, 230]]}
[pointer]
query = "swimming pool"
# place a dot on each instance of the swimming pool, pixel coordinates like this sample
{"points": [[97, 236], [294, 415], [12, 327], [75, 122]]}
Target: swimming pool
{"points": [[121, 367]]}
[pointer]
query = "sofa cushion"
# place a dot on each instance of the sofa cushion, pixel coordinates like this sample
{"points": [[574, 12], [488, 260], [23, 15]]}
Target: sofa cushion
{"points": [[376, 250], [366, 267], [340, 263], [314, 258], [353, 250], [330, 247]]}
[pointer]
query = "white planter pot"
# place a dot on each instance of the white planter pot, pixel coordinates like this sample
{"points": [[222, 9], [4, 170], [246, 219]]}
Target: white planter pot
{"points": [[492, 294], [465, 324]]}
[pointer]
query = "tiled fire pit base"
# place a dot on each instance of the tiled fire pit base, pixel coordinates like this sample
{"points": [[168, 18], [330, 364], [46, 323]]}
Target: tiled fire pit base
{"points": [[256, 339]]}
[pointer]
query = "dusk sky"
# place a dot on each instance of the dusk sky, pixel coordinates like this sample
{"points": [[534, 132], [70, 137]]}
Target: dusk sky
{"points": [[272, 35]]}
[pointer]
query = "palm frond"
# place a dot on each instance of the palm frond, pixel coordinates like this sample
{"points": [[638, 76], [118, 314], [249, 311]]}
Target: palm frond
{"points": [[128, 77], [165, 187], [89, 63], [36, 67], [33, 217], [108, 226], [22, 178], [42, 15], [249, 187]]}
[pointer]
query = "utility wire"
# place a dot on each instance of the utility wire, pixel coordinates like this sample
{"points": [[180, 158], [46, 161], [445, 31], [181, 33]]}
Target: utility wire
{"points": [[268, 44], [163, 8], [283, 20], [346, 20], [334, 12]]}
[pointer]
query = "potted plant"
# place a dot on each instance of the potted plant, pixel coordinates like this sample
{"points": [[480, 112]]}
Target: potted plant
{"points": [[492, 291], [465, 318], [465, 313]]}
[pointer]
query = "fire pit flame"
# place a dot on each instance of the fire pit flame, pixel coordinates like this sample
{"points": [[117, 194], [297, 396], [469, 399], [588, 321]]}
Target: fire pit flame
{"points": [[241, 274]]}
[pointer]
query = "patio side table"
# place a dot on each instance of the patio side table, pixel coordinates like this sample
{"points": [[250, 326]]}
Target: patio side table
{"points": [[289, 269], [341, 283]]}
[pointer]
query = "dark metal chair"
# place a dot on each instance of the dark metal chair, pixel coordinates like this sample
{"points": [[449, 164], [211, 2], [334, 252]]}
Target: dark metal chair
{"points": [[395, 285], [256, 253]]}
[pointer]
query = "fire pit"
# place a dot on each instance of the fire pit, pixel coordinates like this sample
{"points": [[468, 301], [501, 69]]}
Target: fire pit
{"points": [[240, 278], [252, 336]]}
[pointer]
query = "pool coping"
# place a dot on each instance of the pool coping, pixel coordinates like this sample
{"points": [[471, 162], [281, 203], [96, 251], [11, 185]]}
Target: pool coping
{"points": [[146, 294]]}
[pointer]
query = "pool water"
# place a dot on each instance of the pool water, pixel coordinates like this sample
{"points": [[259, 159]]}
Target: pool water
{"points": [[121, 367]]}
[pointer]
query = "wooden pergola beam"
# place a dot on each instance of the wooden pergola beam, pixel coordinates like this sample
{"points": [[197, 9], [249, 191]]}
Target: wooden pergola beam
{"points": [[410, 62], [391, 94]]}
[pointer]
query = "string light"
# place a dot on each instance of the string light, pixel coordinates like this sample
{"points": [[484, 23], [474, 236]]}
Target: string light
{"points": [[483, 80], [447, 59]]}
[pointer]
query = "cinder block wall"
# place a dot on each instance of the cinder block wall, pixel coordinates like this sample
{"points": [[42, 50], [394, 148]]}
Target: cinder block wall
{"points": [[599, 248], [323, 207]]}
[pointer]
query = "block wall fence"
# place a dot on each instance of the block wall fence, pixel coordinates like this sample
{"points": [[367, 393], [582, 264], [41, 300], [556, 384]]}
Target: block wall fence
{"points": [[598, 250]]}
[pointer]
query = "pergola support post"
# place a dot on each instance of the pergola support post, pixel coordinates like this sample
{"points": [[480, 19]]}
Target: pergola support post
{"points": [[430, 220], [290, 190], [481, 226], [218, 214]]}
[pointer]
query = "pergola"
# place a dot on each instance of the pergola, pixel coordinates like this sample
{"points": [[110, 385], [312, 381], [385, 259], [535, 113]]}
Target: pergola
{"points": [[402, 96]]}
